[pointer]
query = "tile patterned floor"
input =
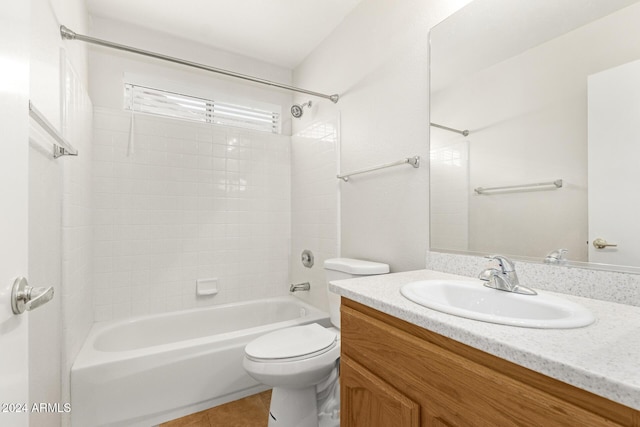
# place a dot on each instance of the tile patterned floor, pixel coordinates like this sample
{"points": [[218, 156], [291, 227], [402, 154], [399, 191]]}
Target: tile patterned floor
{"points": [[252, 411]]}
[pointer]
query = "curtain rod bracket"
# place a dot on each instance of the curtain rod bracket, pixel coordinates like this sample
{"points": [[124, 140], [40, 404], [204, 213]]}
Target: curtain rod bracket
{"points": [[66, 33], [59, 151]]}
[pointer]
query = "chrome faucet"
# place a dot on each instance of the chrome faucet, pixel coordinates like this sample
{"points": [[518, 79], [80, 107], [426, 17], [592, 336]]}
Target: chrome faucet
{"points": [[504, 278], [300, 287]]}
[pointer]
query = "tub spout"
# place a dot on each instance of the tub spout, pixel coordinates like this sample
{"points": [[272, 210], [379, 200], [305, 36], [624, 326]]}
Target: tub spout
{"points": [[300, 287]]}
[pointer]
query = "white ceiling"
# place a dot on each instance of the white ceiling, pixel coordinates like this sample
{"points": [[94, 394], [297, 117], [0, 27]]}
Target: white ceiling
{"points": [[281, 32]]}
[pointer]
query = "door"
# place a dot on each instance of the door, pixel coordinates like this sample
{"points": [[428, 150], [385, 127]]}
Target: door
{"points": [[14, 93], [614, 175]]}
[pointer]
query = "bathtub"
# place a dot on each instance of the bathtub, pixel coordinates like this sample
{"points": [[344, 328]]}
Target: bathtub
{"points": [[147, 370]]}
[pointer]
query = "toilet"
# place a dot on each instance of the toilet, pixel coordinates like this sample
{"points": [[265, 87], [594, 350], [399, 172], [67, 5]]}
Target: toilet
{"points": [[301, 363]]}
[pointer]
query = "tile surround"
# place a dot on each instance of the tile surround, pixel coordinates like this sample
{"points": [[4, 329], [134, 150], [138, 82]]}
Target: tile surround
{"points": [[449, 194], [314, 204], [77, 229], [182, 201]]}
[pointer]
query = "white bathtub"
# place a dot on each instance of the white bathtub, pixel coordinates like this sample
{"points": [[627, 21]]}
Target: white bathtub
{"points": [[151, 369]]}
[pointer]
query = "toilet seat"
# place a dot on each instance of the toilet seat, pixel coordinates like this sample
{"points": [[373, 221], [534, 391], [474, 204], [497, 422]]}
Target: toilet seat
{"points": [[291, 344]]}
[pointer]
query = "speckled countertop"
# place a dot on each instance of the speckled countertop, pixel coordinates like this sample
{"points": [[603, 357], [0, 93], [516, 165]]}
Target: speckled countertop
{"points": [[603, 358]]}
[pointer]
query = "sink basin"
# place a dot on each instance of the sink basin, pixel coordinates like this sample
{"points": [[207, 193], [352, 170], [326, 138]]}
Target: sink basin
{"points": [[472, 300]]}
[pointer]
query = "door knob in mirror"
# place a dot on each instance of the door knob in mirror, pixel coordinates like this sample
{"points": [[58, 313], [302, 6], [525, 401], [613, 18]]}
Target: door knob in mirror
{"points": [[601, 243]]}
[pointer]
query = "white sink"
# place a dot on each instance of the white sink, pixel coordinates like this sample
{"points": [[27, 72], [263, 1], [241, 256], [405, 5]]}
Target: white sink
{"points": [[472, 300]]}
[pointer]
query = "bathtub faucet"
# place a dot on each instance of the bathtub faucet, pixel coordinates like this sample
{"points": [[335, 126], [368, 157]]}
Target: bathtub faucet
{"points": [[300, 287]]}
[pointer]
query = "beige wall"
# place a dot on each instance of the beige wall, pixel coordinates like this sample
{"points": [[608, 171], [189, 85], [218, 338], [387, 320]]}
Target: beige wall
{"points": [[377, 59]]}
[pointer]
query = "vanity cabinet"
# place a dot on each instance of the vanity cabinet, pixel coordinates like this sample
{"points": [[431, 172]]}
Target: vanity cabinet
{"points": [[394, 373]]}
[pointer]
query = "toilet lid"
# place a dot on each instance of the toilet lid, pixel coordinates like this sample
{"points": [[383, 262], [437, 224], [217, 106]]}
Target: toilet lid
{"points": [[292, 342]]}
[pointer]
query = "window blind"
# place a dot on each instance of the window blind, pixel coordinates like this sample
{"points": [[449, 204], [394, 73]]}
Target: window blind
{"points": [[170, 104]]}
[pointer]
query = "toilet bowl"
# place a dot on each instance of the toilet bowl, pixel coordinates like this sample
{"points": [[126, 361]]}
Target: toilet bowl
{"points": [[296, 357], [301, 363]]}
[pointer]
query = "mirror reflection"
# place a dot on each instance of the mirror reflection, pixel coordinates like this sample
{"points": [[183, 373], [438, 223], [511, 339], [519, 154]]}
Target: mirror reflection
{"points": [[550, 95]]}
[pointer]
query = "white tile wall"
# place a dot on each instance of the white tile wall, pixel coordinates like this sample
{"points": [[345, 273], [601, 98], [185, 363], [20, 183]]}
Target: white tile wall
{"points": [[182, 201], [449, 196], [314, 204], [77, 292]]}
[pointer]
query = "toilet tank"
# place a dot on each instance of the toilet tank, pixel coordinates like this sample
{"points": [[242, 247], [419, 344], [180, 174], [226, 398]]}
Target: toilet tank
{"points": [[347, 268]]}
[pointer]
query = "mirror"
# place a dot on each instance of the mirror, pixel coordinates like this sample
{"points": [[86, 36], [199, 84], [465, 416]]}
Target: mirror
{"points": [[549, 93]]}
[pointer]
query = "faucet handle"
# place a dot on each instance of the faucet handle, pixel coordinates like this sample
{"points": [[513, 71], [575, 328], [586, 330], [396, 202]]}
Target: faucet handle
{"points": [[486, 274], [557, 256], [505, 264]]}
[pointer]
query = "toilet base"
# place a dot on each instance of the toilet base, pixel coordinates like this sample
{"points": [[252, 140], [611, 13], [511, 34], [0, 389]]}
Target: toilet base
{"points": [[314, 406], [293, 407]]}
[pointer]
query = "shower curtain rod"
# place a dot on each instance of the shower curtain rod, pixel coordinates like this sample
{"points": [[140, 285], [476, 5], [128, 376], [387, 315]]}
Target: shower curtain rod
{"points": [[461, 132], [68, 34]]}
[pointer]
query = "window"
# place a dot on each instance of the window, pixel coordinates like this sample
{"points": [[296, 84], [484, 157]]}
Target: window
{"points": [[169, 104]]}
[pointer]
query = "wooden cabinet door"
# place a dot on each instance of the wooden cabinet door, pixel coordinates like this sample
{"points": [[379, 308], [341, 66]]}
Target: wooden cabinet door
{"points": [[368, 401]]}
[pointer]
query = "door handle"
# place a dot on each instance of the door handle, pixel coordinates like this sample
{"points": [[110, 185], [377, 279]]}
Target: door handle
{"points": [[26, 298], [601, 244]]}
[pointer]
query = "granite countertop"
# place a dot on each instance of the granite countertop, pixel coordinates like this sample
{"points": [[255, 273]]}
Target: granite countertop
{"points": [[603, 358]]}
